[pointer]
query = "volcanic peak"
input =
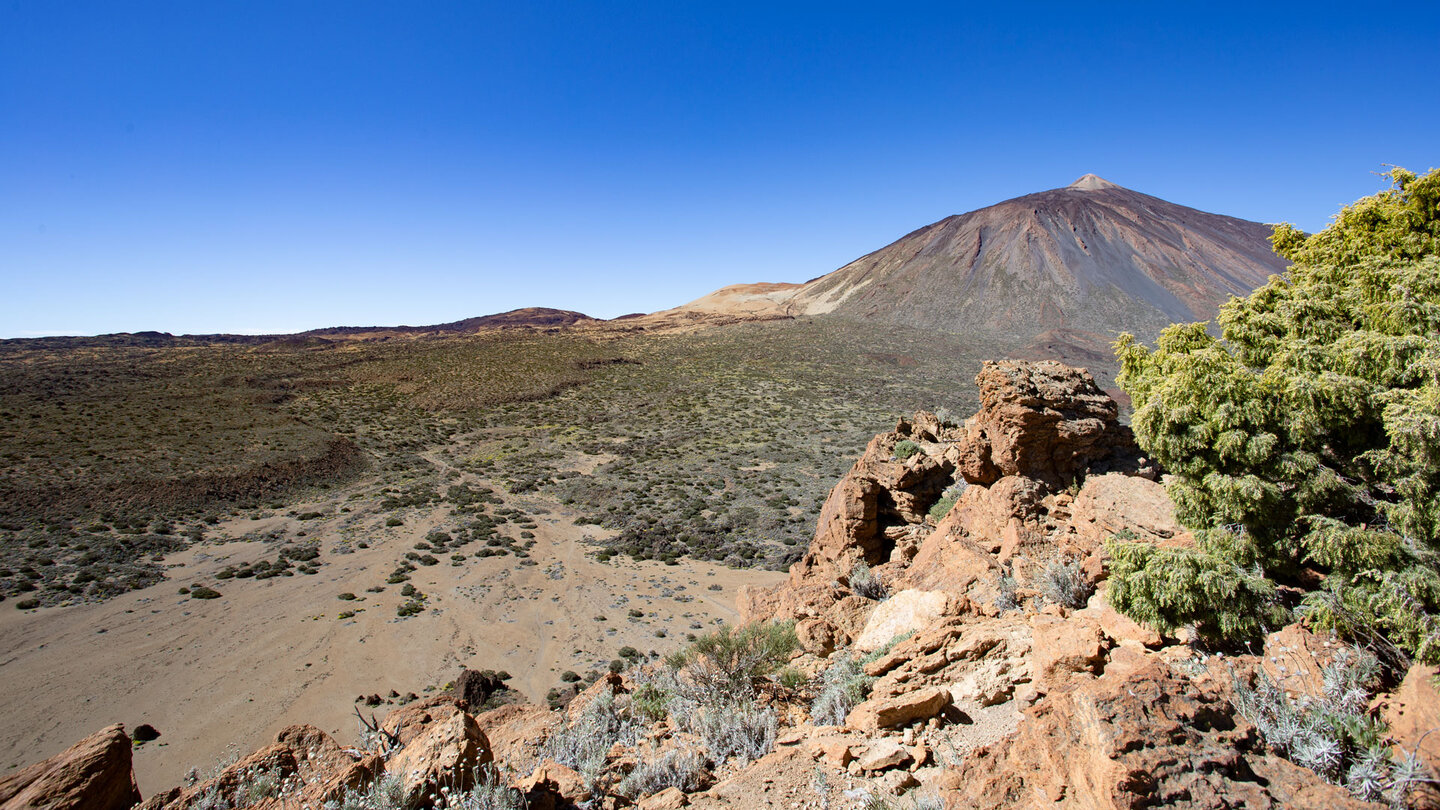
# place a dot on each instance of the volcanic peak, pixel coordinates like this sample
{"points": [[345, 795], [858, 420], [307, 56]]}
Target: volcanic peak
{"points": [[1091, 182]]}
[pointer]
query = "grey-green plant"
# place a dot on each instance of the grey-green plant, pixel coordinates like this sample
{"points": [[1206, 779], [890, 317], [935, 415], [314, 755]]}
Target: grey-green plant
{"points": [[843, 686], [905, 449], [739, 731], [863, 582], [385, 793], [1063, 583], [584, 743], [682, 767], [1304, 441], [1333, 732]]}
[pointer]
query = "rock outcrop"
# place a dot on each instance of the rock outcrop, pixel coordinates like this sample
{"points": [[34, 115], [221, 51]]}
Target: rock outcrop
{"points": [[1145, 736], [93, 774], [1062, 701], [1043, 470]]}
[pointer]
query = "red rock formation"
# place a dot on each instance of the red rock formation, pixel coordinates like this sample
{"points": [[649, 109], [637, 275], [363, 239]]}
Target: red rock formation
{"points": [[1043, 420], [93, 774], [1041, 427], [301, 755], [1143, 737]]}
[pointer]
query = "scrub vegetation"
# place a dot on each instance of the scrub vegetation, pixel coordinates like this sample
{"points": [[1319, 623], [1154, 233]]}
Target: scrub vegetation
{"points": [[719, 445]]}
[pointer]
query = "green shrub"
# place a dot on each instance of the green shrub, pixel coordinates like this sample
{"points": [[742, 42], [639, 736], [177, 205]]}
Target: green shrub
{"points": [[1306, 439], [729, 660], [947, 501], [905, 449], [651, 701], [202, 592], [792, 678]]}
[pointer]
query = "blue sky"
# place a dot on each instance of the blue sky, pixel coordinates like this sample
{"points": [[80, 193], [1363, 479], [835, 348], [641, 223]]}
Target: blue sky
{"points": [[270, 167]]}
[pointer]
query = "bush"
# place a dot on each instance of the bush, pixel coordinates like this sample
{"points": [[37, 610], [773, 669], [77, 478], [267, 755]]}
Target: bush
{"points": [[490, 792], [584, 743], [739, 731], [728, 661], [1333, 733], [863, 582], [791, 678], [905, 449], [843, 686], [1306, 439], [1007, 596], [385, 793], [681, 768], [202, 592], [947, 501], [1062, 583]]}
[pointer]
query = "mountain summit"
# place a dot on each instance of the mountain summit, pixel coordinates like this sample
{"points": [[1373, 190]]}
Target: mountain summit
{"points": [[1092, 182], [1055, 274]]}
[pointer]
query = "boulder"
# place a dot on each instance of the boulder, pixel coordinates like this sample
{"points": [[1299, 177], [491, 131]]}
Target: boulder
{"points": [[905, 612], [835, 751], [670, 798], [94, 773], [1065, 647], [301, 755], [1413, 714], [445, 753], [407, 722], [553, 785], [1118, 627], [1040, 426], [518, 731], [1112, 503], [893, 712], [817, 636], [1043, 420], [976, 659], [884, 754], [475, 687], [1295, 658]]}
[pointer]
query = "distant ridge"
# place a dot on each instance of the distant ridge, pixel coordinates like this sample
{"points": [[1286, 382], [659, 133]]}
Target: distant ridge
{"points": [[515, 318]]}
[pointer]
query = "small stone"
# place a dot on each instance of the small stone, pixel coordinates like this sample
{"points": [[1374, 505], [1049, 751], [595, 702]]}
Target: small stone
{"points": [[883, 755], [668, 799]]}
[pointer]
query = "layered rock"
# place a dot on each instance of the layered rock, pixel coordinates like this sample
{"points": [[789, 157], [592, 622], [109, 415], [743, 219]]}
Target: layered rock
{"points": [[1144, 736], [93, 774]]}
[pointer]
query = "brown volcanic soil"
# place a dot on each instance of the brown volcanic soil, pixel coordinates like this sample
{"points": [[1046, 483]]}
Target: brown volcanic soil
{"points": [[230, 672]]}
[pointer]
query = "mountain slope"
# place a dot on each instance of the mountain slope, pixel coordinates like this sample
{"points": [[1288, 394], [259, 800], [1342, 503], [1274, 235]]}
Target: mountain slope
{"points": [[1054, 274], [1092, 257]]}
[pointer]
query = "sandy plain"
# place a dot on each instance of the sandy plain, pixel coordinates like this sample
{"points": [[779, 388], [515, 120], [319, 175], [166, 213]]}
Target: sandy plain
{"points": [[222, 676]]}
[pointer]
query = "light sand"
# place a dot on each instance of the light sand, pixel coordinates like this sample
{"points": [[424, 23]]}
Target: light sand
{"points": [[231, 672]]}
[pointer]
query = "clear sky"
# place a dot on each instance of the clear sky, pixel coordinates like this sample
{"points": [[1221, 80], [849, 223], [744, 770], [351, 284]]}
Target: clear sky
{"points": [[198, 166]]}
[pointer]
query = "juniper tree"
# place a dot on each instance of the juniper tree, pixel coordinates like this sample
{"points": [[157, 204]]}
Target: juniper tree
{"points": [[1305, 441]]}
